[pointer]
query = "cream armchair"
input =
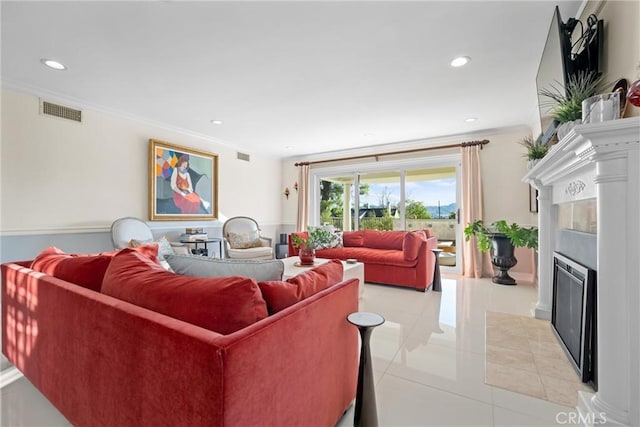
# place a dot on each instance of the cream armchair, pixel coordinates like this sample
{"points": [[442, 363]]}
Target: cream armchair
{"points": [[127, 229], [242, 239]]}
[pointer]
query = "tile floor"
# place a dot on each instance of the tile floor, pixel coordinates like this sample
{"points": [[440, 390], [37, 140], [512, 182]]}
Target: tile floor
{"points": [[523, 355], [428, 358]]}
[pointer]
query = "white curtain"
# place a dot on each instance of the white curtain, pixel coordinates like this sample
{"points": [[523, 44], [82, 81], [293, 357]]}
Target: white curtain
{"points": [[303, 198], [474, 263]]}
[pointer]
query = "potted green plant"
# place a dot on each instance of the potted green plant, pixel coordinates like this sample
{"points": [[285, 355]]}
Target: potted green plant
{"points": [[566, 102], [535, 150], [502, 238], [307, 246]]}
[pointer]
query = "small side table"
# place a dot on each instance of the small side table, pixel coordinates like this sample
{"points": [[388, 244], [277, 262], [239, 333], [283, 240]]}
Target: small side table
{"points": [[366, 414], [204, 251], [437, 285]]}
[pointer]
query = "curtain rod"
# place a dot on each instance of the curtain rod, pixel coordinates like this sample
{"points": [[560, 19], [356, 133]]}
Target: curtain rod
{"points": [[364, 156]]}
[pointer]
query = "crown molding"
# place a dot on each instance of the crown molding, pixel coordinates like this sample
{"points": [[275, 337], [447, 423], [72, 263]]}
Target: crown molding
{"points": [[83, 104], [411, 144]]}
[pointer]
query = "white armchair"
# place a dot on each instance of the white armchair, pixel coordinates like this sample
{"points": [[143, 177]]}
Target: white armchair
{"points": [[242, 239], [123, 230], [126, 229]]}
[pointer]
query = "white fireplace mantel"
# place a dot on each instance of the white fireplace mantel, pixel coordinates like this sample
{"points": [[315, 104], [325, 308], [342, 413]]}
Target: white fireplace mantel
{"points": [[601, 161]]}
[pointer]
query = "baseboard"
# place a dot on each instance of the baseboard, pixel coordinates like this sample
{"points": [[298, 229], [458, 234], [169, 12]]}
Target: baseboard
{"points": [[540, 313], [9, 375], [590, 413]]}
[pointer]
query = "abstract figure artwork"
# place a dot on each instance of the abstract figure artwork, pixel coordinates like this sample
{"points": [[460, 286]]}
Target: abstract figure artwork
{"points": [[183, 183]]}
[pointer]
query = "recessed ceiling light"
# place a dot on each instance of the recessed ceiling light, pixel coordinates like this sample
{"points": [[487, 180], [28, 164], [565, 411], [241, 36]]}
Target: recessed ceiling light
{"points": [[216, 122], [460, 61], [289, 147], [53, 64], [470, 119]]}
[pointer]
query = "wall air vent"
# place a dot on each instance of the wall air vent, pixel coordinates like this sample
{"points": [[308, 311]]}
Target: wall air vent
{"points": [[243, 156], [55, 110]]}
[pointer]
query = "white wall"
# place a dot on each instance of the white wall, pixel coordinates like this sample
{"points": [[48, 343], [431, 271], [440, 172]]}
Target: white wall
{"points": [[621, 44], [59, 175], [503, 166]]}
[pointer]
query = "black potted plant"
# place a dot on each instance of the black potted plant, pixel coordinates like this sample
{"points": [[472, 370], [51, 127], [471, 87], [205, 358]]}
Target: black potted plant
{"points": [[502, 238]]}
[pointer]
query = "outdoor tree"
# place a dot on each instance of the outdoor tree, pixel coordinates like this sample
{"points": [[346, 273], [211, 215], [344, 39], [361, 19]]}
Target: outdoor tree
{"points": [[331, 199], [384, 197], [416, 210]]}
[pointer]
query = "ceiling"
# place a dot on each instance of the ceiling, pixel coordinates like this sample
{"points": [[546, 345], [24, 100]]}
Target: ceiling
{"points": [[287, 78]]}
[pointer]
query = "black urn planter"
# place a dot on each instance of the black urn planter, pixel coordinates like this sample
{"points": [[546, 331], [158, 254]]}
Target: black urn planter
{"points": [[502, 257]]}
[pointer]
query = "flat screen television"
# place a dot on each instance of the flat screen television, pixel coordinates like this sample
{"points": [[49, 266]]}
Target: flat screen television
{"points": [[553, 70], [570, 47]]}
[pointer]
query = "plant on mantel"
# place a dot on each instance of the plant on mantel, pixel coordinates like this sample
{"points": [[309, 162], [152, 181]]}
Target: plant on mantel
{"points": [[535, 149], [566, 102]]}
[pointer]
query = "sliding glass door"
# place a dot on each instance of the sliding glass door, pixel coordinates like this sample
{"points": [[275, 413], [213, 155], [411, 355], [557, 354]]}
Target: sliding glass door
{"points": [[379, 201], [432, 203], [400, 196], [336, 202]]}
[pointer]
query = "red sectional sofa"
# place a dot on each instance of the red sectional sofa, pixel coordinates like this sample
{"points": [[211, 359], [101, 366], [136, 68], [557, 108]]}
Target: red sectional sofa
{"points": [[103, 361], [401, 258]]}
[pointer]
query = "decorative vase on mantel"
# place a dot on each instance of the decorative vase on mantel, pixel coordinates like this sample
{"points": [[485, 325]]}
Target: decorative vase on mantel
{"points": [[565, 128], [503, 258], [532, 163], [307, 256], [633, 95]]}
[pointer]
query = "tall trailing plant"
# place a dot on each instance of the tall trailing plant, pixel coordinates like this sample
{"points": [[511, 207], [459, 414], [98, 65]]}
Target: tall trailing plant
{"points": [[519, 236]]}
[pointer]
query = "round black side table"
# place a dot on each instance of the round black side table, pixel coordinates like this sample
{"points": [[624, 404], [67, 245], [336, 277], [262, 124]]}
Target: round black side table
{"points": [[366, 414], [203, 251], [437, 285]]}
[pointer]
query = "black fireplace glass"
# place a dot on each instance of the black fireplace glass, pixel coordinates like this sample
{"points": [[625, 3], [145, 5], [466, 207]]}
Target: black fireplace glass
{"points": [[573, 314]]}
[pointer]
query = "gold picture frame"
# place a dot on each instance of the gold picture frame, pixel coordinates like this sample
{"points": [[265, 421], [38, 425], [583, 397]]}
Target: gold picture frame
{"points": [[533, 199], [183, 183]]}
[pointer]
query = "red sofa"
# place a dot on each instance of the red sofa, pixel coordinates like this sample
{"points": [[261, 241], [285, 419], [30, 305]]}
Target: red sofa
{"points": [[103, 361], [401, 258]]}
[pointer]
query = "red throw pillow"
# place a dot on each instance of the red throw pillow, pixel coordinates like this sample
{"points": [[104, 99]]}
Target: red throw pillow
{"points": [[83, 270], [150, 250], [387, 239], [220, 304], [353, 238], [280, 295], [412, 243]]}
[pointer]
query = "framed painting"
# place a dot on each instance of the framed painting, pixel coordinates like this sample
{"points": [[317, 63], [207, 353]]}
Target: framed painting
{"points": [[533, 199], [183, 183]]}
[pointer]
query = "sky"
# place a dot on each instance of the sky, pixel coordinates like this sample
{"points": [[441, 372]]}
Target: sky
{"points": [[428, 192]]}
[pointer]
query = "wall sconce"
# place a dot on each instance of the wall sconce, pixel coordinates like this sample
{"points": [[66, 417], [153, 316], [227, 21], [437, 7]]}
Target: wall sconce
{"points": [[286, 192], [295, 185]]}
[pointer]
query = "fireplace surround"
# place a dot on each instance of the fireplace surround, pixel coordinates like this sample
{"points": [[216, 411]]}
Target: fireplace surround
{"points": [[600, 161]]}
